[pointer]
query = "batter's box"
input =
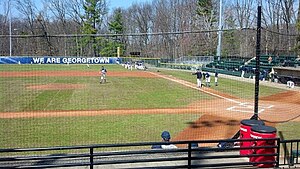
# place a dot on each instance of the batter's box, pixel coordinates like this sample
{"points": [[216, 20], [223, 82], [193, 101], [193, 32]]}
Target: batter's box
{"points": [[244, 109], [264, 106]]}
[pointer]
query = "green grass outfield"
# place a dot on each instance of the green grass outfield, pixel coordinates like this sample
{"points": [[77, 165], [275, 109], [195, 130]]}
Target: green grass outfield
{"points": [[44, 132], [118, 93]]}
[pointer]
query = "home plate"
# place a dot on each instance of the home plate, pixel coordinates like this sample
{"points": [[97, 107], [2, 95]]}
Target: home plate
{"points": [[243, 109], [265, 106], [249, 107]]}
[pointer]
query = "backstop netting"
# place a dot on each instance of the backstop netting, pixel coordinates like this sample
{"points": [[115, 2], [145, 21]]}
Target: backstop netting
{"points": [[53, 93]]}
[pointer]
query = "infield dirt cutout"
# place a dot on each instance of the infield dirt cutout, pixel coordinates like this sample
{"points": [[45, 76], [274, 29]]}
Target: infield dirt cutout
{"points": [[221, 116]]}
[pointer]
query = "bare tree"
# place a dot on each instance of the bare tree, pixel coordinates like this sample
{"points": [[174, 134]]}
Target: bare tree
{"points": [[243, 10], [163, 16], [139, 20], [29, 11], [4, 27], [298, 30], [58, 8], [271, 19], [288, 13]]}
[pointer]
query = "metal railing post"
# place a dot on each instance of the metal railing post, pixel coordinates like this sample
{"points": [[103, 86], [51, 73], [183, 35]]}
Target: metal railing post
{"points": [[189, 155], [278, 153], [91, 158], [291, 157]]}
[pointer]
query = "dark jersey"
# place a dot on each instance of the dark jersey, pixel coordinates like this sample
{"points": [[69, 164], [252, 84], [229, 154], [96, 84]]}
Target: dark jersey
{"points": [[199, 75], [216, 74], [207, 75]]}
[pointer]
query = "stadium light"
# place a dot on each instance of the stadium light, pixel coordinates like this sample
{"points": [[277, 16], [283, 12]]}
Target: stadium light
{"points": [[10, 40], [219, 48]]}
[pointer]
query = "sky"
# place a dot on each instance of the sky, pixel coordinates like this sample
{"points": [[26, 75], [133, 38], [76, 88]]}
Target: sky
{"points": [[123, 3], [112, 4]]}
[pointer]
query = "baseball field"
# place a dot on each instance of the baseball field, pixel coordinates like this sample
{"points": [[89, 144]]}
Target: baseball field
{"points": [[58, 105]]}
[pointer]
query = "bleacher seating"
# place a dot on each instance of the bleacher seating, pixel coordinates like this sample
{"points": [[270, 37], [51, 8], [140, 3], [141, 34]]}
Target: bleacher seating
{"points": [[235, 66], [226, 64]]}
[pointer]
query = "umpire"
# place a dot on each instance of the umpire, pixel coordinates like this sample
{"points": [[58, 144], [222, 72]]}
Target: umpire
{"points": [[199, 77]]}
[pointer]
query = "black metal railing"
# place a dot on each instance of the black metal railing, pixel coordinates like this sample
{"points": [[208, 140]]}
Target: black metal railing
{"points": [[291, 152], [140, 155]]}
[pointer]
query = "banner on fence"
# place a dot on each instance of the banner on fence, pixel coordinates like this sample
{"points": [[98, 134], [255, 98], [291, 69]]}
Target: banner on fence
{"points": [[59, 60]]}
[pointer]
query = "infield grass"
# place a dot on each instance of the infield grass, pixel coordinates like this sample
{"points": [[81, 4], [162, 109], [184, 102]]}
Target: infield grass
{"points": [[117, 93]]}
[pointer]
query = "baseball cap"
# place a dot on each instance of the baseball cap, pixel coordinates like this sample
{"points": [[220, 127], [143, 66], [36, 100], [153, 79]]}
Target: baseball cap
{"points": [[165, 135]]}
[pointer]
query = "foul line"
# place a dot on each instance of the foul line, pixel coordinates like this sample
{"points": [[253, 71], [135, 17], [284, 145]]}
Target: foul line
{"points": [[200, 89], [248, 107]]}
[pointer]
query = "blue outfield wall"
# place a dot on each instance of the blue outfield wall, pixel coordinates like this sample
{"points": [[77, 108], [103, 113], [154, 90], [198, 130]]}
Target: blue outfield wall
{"points": [[59, 60]]}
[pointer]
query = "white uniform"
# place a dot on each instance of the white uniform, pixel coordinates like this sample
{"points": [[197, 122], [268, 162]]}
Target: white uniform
{"points": [[103, 75], [290, 84], [170, 146]]}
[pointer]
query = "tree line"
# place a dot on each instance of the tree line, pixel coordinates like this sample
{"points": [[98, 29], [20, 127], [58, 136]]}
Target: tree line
{"points": [[157, 28]]}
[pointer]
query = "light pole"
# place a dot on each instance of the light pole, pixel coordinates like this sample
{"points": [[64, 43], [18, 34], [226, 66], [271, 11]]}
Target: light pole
{"points": [[10, 40], [219, 48]]}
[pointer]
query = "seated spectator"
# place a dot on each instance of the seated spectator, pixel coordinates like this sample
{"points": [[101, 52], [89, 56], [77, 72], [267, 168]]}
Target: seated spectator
{"points": [[194, 145], [165, 135], [270, 60]]}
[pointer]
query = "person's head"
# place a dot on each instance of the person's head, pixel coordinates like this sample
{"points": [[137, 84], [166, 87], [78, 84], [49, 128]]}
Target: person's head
{"points": [[165, 135]]}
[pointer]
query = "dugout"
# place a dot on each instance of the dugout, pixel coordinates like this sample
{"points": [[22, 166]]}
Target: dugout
{"points": [[285, 74]]}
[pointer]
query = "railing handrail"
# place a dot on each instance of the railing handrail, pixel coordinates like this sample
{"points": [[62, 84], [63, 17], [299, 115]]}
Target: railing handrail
{"points": [[184, 154], [125, 145]]}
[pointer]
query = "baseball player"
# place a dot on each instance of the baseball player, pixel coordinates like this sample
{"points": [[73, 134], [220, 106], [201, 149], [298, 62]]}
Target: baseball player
{"points": [[103, 72], [165, 135], [207, 79], [199, 78], [216, 78]]}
